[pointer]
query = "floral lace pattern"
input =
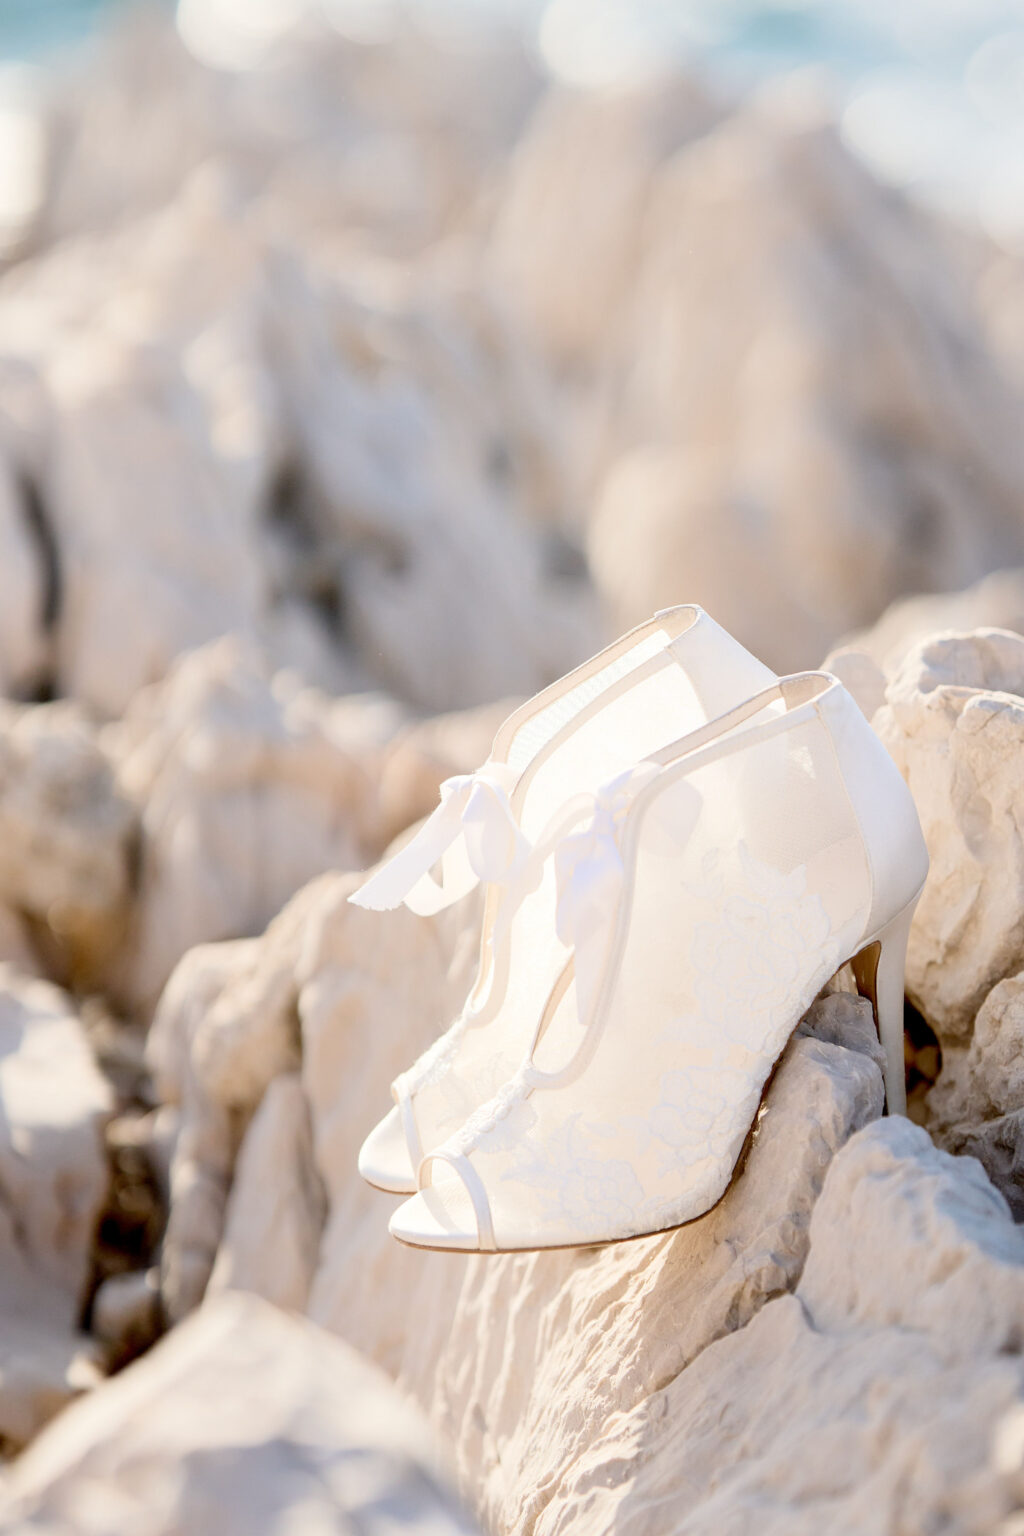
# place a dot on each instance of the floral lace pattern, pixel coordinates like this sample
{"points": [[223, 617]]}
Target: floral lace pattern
{"points": [[487, 1119], [436, 1060], [695, 1116], [575, 1183], [763, 949], [751, 955]]}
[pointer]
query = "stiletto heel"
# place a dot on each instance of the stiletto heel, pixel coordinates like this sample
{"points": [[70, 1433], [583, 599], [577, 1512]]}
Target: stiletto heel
{"points": [[879, 973]]}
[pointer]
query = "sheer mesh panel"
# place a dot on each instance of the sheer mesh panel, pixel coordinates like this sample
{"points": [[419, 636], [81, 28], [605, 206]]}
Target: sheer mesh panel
{"points": [[751, 886], [546, 723], [625, 725]]}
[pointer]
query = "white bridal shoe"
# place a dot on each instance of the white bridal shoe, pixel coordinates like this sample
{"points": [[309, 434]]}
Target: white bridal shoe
{"points": [[707, 896], [656, 683]]}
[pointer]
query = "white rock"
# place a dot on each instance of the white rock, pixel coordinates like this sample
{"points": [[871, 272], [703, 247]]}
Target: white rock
{"points": [[244, 793], [373, 991], [415, 123], [249, 785], [977, 1105], [807, 421], [354, 472], [588, 1337], [580, 180], [884, 1395], [954, 723], [244, 1421], [54, 1179], [128, 434], [590, 1389], [426, 472], [224, 1036], [125, 110], [275, 1213], [204, 1141], [66, 835], [860, 674], [995, 602], [54, 1105]]}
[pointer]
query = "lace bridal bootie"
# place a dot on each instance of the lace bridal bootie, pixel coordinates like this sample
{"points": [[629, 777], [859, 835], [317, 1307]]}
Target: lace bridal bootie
{"points": [[659, 681], [704, 899]]}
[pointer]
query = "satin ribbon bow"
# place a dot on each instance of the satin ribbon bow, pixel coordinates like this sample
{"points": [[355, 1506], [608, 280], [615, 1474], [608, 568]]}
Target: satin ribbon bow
{"points": [[473, 832], [589, 876]]}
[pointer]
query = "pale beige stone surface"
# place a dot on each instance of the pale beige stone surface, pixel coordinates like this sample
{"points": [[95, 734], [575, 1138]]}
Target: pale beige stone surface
{"points": [[275, 1212], [977, 1105], [67, 835], [348, 997], [354, 471], [375, 989], [53, 1179], [248, 1421], [807, 421], [884, 1395], [206, 1129], [582, 1390], [995, 602], [580, 180], [954, 722], [246, 784], [246, 788], [147, 113]]}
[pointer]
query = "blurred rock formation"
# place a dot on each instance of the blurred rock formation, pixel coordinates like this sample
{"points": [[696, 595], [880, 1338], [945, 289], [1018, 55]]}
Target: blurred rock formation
{"points": [[247, 1421]]}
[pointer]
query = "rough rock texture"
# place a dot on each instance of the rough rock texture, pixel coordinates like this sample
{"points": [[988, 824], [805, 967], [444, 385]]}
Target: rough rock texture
{"points": [[954, 722], [856, 1404], [53, 1179], [275, 1213], [589, 1337], [977, 1106], [234, 1018], [587, 1390], [187, 1030], [245, 1421]]}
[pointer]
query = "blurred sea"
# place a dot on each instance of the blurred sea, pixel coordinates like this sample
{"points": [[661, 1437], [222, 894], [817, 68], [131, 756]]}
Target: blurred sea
{"points": [[929, 92]]}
